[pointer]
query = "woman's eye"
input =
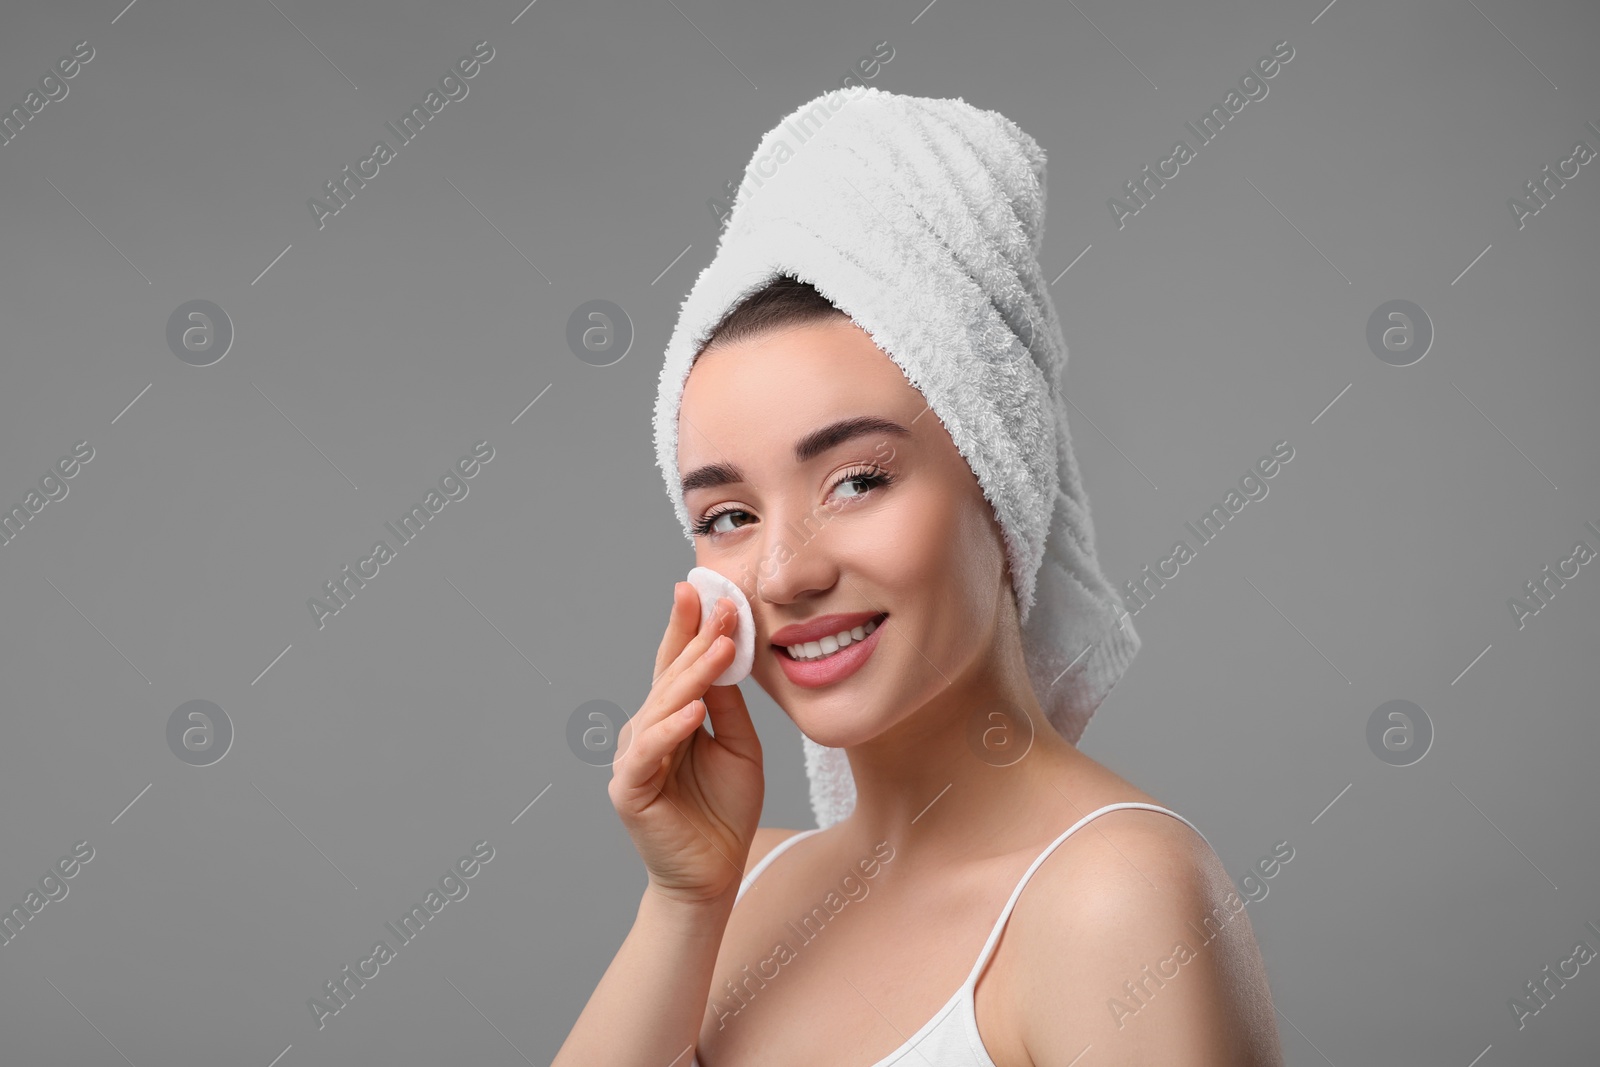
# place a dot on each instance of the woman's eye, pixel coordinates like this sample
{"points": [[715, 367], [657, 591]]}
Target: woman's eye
{"points": [[709, 524], [860, 484], [856, 481]]}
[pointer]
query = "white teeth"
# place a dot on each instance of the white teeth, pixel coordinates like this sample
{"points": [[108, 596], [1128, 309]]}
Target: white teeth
{"points": [[827, 646]]}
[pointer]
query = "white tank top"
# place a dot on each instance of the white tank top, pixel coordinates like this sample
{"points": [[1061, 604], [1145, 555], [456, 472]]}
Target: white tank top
{"points": [[950, 1038]]}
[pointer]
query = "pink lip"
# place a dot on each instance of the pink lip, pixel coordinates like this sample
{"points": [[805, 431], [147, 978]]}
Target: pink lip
{"points": [[822, 626], [812, 674]]}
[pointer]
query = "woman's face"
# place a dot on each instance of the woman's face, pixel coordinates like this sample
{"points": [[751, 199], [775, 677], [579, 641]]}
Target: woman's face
{"points": [[885, 523]]}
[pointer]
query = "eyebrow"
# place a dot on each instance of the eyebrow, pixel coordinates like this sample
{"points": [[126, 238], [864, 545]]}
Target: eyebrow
{"points": [[806, 449]]}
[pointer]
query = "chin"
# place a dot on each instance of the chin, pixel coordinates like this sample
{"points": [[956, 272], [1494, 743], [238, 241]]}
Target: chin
{"points": [[836, 724]]}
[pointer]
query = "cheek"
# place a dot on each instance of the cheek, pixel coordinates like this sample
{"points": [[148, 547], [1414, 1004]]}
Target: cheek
{"points": [[906, 543], [978, 547], [931, 547]]}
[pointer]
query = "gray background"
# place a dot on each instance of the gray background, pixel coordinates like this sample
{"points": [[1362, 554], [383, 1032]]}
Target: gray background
{"points": [[1226, 316]]}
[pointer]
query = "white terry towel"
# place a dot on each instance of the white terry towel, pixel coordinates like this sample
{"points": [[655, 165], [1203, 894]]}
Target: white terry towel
{"points": [[921, 219]]}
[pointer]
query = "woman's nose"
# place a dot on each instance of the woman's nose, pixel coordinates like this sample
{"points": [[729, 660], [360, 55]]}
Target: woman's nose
{"points": [[795, 558]]}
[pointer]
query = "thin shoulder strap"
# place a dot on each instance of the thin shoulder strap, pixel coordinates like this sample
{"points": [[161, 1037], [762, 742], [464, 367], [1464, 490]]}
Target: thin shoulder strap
{"points": [[994, 935], [769, 857]]}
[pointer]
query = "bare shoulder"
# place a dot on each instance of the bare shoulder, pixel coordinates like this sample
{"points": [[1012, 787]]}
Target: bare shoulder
{"points": [[766, 839], [1135, 940]]}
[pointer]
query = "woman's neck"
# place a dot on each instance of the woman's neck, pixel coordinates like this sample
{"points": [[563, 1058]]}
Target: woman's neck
{"points": [[964, 785]]}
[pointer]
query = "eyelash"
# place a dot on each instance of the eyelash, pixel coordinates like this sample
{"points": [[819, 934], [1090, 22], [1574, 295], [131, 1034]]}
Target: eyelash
{"points": [[875, 477]]}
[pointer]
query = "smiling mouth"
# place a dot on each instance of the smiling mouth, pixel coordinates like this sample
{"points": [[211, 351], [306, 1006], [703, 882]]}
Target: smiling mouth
{"points": [[824, 647]]}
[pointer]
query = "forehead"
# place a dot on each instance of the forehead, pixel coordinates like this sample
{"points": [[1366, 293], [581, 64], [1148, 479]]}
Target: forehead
{"points": [[785, 382]]}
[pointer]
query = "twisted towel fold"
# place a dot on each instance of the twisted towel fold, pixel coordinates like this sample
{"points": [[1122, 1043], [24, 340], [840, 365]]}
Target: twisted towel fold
{"points": [[922, 219]]}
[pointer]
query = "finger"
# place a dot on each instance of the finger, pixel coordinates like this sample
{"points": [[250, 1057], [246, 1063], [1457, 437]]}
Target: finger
{"points": [[635, 769], [681, 625], [731, 722], [686, 678], [691, 676], [724, 618], [684, 627]]}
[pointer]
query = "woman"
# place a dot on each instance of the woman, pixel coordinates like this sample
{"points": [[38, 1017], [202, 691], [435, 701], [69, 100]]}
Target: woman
{"points": [[830, 464]]}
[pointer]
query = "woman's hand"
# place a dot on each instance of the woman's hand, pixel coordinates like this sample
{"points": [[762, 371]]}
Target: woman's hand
{"points": [[689, 800]]}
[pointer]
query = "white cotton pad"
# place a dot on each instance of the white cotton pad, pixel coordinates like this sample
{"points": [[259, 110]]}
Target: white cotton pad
{"points": [[711, 585]]}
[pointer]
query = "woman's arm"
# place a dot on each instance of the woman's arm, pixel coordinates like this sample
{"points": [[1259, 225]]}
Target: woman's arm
{"points": [[660, 981], [649, 1005], [690, 801]]}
